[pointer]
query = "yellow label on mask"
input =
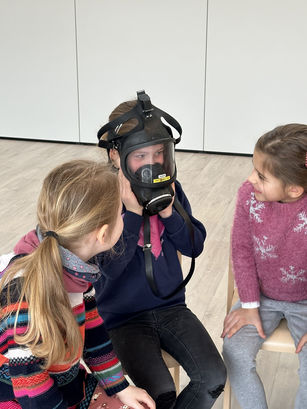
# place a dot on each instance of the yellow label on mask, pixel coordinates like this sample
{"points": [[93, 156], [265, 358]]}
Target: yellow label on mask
{"points": [[161, 178]]}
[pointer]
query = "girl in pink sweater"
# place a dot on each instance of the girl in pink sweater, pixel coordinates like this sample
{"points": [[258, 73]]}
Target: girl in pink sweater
{"points": [[269, 257]]}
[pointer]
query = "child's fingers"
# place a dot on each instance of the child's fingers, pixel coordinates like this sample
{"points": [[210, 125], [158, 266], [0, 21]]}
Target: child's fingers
{"points": [[230, 321], [229, 318], [136, 405], [235, 328], [134, 398], [146, 403], [150, 403], [225, 326], [260, 330], [122, 180], [299, 347], [301, 343], [146, 399]]}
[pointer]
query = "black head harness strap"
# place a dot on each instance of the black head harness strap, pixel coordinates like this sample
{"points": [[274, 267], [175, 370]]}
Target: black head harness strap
{"points": [[142, 112]]}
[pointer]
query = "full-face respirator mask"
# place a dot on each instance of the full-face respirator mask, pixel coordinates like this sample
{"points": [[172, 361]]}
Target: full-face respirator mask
{"points": [[147, 159], [147, 152]]}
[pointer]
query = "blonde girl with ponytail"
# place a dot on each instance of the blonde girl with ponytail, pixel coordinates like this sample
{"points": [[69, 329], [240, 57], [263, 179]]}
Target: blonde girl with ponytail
{"points": [[49, 319]]}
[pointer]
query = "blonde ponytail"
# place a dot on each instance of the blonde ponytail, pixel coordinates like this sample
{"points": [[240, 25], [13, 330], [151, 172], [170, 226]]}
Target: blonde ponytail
{"points": [[76, 198]]}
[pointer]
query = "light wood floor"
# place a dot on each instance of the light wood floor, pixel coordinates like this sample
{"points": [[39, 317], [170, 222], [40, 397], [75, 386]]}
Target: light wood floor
{"points": [[210, 182]]}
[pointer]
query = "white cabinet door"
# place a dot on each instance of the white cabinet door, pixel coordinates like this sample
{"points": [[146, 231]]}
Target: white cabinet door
{"points": [[38, 75], [256, 70], [128, 45]]}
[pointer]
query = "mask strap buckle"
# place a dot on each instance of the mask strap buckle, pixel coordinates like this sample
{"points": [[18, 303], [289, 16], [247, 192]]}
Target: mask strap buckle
{"points": [[115, 144], [146, 103]]}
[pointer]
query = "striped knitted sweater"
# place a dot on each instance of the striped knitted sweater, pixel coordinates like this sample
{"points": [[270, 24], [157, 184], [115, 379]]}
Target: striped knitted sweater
{"points": [[269, 248], [60, 386]]}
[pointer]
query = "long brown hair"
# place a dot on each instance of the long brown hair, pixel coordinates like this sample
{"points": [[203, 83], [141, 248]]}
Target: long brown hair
{"points": [[285, 148], [76, 198]]}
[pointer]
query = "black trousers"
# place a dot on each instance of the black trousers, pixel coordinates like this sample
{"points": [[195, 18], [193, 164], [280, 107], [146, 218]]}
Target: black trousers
{"points": [[178, 331]]}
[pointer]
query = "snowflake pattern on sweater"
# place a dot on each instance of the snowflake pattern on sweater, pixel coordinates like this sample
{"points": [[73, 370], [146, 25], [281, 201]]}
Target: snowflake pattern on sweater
{"points": [[269, 248], [265, 249], [302, 226], [292, 276], [255, 208]]}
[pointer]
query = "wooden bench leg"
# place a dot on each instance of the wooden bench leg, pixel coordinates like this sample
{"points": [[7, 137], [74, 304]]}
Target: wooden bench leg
{"points": [[175, 372], [227, 396]]}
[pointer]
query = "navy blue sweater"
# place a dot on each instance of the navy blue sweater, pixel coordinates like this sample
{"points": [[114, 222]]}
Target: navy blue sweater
{"points": [[123, 291]]}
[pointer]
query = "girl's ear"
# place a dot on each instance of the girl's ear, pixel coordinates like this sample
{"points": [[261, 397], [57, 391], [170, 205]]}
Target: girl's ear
{"points": [[295, 191], [102, 234], [115, 159]]}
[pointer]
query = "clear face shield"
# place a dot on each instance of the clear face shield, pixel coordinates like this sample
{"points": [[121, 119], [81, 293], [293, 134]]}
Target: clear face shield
{"points": [[151, 169]]}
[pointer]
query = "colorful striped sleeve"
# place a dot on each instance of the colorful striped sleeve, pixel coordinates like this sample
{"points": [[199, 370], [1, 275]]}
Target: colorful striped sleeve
{"points": [[98, 350], [27, 381]]}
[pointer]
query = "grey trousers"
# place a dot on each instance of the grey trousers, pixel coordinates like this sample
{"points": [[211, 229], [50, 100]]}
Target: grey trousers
{"points": [[241, 349]]}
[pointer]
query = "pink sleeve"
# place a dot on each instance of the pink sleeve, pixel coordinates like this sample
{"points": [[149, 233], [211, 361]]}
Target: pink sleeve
{"points": [[243, 261]]}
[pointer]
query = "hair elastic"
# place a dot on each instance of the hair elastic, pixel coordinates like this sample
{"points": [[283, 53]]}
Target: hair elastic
{"points": [[306, 161], [51, 233]]}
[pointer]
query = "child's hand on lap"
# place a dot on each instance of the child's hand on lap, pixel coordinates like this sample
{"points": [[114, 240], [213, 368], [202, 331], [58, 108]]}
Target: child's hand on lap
{"points": [[241, 317]]}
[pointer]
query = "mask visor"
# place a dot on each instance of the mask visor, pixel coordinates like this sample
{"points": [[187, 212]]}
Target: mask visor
{"points": [[151, 165]]}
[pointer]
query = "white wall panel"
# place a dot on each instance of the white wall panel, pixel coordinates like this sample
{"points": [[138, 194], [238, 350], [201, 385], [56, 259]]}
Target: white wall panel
{"points": [[159, 46], [256, 70], [38, 80]]}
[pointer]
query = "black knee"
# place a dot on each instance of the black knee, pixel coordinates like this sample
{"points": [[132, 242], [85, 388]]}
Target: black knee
{"points": [[215, 386], [166, 400], [215, 392]]}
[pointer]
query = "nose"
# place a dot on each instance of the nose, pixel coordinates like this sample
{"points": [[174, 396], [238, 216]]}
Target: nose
{"points": [[252, 177], [151, 159]]}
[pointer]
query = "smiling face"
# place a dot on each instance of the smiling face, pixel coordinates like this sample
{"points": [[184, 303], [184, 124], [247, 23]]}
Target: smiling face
{"points": [[266, 186]]}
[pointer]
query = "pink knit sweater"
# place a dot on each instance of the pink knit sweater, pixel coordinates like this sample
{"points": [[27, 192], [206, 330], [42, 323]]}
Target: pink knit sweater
{"points": [[269, 248]]}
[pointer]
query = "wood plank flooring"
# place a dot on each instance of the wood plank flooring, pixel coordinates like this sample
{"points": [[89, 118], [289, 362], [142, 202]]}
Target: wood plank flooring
{"points": [[210, 182]]}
